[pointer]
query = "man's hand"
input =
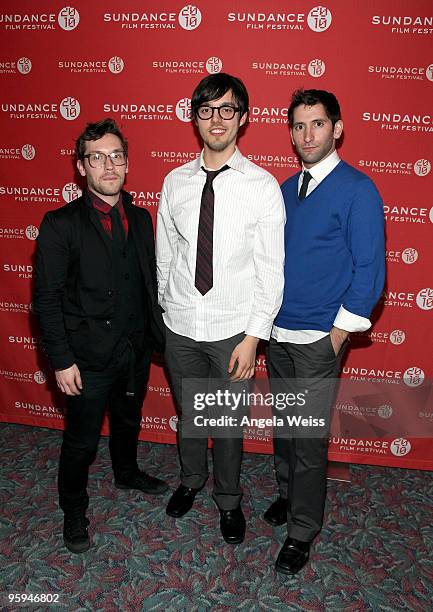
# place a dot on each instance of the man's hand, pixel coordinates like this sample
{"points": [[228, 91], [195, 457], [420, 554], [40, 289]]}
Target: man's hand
{"points": [[338, 336], [69, 380], [243, 359]]}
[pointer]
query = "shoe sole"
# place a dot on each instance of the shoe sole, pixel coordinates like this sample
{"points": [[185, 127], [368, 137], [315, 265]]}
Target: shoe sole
{"points": [[126, 488], [77, 548]]}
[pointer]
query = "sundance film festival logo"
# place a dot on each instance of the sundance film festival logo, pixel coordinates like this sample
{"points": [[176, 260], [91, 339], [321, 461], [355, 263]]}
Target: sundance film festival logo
{"points": [[39, 377], [315, 68], [183, 110], [70, 108], [271, 160], [384, 411], [212, 65], [402, 73], [405, 24], [397, 337], [422, 167], [68, 18], [24, 65], [71, 192], [424, 299], [24, 194], [167, 156], [400, 447], [268, 114], [400, 122], [32, 232], [413, 377], [409, 256], [115, 65], [401, 213], [189, 17], [141, 111], [398, 299], [28, 152], [173, 423], [319, 19], [146, 199]]}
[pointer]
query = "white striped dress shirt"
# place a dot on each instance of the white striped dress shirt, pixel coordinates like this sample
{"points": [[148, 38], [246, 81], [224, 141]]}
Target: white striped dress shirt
{"points": [[248, 251]]}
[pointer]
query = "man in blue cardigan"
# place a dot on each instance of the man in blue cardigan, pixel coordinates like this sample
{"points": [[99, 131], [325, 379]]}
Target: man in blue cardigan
{"points": [[334, 275]]}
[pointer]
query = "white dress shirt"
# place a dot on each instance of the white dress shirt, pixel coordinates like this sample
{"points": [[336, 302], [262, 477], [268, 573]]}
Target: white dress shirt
{"points": [[248, 251], [344, 319]]}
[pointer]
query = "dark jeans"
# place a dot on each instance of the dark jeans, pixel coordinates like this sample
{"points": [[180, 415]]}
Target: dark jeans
{"points": [[84, 418], [300, 460], [188, 359]]}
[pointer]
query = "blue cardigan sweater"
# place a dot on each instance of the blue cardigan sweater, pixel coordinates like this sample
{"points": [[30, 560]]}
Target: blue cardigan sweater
{"points": [[335, 251]]}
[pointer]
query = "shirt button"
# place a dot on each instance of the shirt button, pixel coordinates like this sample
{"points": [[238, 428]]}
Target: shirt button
{"points": [[108, 323], [110, 293], [126, 276]]}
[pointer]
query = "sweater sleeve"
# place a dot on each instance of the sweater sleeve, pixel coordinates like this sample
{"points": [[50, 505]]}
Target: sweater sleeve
{"points": [[366, 242]]}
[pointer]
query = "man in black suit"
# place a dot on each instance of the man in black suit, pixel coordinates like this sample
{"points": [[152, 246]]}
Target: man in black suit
{"points": [[95, 294]]}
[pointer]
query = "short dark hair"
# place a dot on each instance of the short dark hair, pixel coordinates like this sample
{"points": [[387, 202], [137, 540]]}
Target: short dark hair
{"points": [[95, 131], [310, 97], [215, 86]]}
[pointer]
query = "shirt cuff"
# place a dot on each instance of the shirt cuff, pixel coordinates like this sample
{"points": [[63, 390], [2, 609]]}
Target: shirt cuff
{"points": [[351, 322]]}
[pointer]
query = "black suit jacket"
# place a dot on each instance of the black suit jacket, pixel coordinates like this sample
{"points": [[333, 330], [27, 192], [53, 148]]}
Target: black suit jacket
{"points": [[73, 284]]}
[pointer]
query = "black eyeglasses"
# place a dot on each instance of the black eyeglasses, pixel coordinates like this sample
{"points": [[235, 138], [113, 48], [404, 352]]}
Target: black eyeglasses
{"points": [[98, 160], [225, 111]]}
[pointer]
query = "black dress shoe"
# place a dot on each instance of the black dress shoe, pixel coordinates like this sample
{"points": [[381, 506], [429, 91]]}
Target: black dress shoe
{"points": [[293, 556], [181, 501], [232, 525], [75, 534], [276, 514], [142, 482]]}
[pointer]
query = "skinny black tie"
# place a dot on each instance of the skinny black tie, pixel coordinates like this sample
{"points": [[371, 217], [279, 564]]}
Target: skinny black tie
{"points": [[304, 187], [204, 260]]}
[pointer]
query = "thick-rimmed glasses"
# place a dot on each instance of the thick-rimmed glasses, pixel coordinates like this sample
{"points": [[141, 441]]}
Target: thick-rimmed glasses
{"points": [[225, 111], [98, 160]]}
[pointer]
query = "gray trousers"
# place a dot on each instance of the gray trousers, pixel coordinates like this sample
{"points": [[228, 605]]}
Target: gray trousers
{"points": [[188, 359], [300, 460]]}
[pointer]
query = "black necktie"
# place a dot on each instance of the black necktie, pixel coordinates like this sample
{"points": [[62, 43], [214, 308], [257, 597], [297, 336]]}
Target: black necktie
{"points": [[304, 187], [117, 230], [204, 261]]}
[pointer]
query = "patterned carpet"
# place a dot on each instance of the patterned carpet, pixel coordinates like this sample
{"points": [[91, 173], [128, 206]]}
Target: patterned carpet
{"points": [[375, 552]]}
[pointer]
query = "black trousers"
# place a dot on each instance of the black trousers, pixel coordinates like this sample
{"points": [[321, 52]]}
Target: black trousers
{"points": [[84, 418], [187, 359], [301, 454]]}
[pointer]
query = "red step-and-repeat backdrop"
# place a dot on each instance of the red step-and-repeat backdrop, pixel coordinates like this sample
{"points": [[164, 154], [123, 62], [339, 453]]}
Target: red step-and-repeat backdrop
{"points": [[64, 65]]}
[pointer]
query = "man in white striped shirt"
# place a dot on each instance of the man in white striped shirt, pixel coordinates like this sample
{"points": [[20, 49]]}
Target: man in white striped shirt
{"points": [[220, 256]]}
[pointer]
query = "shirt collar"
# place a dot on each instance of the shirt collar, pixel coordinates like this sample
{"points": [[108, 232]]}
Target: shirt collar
{"points": [[321, 170], [237, 162], [103, 206]]}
